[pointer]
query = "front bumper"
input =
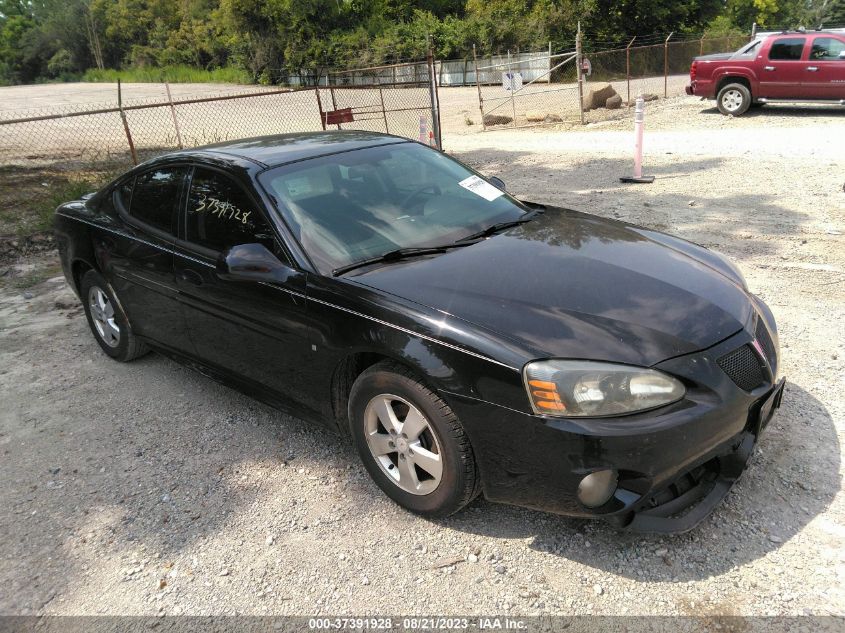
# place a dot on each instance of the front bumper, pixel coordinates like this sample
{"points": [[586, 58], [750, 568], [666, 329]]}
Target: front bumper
{"points": [[694, 495], [683, 455]]}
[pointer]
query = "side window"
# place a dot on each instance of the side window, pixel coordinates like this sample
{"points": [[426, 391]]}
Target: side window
{"points": [[827, 49], [221, 215], [155, 195], [787, 49]]}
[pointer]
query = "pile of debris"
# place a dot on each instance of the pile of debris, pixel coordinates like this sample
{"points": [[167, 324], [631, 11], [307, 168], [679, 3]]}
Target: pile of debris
{"points": [[604, 96]]}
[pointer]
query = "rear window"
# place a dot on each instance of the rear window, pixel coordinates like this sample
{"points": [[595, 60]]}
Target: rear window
{"points": [[123, 193], [787, 49], [749, 50], [155, 195]]}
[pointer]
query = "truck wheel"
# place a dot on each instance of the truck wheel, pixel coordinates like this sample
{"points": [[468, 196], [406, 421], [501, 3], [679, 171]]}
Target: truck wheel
{"points": [[733, 99]]}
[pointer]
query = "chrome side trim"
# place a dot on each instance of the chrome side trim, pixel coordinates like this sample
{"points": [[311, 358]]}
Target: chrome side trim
{"points": [[298, 294], [392, 325], [501, 406], [137, 239]]}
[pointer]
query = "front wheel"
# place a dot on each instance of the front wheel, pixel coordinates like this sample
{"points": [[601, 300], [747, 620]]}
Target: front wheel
{"points": [[734, 99], [411, 442]]}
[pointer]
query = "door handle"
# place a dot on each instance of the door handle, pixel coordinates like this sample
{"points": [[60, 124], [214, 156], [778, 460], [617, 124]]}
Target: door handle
{"points": [[813, 69], [191, 276], [769, 68]]}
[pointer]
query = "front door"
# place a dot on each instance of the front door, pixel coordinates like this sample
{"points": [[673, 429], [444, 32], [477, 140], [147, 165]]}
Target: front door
{"points": [[783, 71], [825, 73], [256, 333]]}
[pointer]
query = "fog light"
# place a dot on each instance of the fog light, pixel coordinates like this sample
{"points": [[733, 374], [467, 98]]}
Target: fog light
{"points": [[597, 488]]}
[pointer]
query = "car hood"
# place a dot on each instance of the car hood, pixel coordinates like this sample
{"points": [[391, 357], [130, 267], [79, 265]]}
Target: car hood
{"points": [[572, 285]]}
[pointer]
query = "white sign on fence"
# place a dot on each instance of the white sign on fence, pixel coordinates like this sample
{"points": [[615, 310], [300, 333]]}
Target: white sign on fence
{"points": [[512, 81]]}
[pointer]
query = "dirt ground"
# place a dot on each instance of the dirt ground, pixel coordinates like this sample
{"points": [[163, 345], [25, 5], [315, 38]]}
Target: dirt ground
{"points": [[145, 488]]}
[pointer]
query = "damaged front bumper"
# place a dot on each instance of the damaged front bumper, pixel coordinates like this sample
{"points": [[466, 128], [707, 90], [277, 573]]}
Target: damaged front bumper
{"points": [[688, 500]]}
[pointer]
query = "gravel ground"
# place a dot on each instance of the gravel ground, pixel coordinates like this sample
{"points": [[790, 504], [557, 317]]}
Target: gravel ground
{"points": [[145, 488]]}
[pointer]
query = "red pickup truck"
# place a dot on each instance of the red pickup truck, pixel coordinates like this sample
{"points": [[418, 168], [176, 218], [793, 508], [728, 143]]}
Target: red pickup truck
{"points": [[777, 67]]}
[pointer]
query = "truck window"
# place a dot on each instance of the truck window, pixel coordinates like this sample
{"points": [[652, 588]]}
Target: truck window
{"points": [[787, 49], [827, 49]]}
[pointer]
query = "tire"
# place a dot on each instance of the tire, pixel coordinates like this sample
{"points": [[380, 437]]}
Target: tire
{"points": [[406, 469], [734, 99], [106, 319]]}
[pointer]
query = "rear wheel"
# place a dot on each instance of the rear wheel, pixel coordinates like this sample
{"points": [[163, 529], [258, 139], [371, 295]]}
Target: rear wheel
{"points": [[734, 99], [107, 321], [411, 442]]}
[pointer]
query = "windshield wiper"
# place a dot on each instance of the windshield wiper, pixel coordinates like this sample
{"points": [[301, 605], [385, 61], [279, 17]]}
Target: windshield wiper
{"points": [[501, 226], [401, 253]]}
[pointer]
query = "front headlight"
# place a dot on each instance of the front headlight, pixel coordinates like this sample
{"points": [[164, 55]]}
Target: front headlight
{"points": [[587, 389]]}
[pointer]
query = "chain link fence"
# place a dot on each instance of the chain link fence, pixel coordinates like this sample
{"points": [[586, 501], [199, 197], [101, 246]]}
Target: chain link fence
{"points": [[661, 70], [53, 154], [508, 95]]}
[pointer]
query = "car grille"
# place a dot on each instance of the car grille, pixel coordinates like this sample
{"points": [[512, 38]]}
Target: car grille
{"points": [[765, 339], [743, 367]]}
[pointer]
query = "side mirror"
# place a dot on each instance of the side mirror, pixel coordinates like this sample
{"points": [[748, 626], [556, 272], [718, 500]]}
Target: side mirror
{"points": [[497, 182], [252, 262]]}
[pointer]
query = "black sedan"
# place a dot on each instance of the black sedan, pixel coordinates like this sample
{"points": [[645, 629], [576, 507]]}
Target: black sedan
{"points": [[467, 341]]}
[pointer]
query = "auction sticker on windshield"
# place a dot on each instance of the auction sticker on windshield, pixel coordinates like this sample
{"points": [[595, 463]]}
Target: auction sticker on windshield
{"points": [[481, 187]]}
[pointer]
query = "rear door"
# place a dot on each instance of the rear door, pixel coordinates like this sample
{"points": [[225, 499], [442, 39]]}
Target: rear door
{"points": [[139, 258], [824, 76], [253, 332], [784, 68]]}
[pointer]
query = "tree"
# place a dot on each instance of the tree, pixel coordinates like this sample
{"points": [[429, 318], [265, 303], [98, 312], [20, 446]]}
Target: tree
{"points": [[834, 13]]}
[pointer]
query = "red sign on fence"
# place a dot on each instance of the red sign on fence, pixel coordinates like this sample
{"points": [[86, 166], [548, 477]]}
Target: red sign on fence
{"points": [[339, 116]]}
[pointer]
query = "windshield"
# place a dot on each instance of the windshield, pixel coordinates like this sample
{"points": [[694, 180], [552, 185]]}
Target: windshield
{"points": [[358, 205]]}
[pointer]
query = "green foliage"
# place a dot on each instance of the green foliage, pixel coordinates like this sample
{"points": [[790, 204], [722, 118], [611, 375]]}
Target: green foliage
{"points": [[176, 73], [722, 26], [834, 13], [265, 41]]}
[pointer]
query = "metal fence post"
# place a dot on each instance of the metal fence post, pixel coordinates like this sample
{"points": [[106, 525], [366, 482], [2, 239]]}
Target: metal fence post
{"points": [[383, 111], [334, 103], [478, 85], [666, 65], [320, 106], [435, 105], [701, 46], [628, 65], [173, 114], [126, 124], [549, 78], [579, 70], [511, 79]]}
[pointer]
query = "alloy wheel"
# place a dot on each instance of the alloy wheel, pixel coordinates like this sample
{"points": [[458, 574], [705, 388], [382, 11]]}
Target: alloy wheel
{"points": [[103, 317], [403, 443], [732, 100]]}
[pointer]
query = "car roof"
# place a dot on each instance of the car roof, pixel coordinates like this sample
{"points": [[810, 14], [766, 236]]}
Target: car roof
{"points": [[280, 149]]}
